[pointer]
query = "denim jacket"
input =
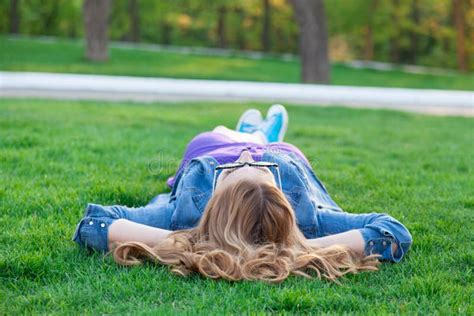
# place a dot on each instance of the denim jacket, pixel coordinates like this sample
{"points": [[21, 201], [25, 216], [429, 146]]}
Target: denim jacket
{"points": [[317, 215]]}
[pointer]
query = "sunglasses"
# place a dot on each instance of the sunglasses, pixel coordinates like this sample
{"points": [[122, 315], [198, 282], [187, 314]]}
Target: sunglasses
{"points": [[236, 165]]}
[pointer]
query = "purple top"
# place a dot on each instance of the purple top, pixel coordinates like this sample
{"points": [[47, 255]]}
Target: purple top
{"points": [[225, 150]]}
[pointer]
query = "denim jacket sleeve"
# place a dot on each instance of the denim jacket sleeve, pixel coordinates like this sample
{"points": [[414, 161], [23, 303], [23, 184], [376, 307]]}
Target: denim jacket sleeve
{"points": [[379, 231], [92, 230]]}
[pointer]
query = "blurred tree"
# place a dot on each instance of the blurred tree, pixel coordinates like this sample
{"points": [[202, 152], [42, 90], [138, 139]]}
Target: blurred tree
{"points": [[14, 17], [284, 27], [266, 37], [240, 36], [415, 18], [221, 26], [311, 18], [218, 15], [423, 32], [459, 23], [369, 31], [134, 17], [166, 30], [96, 16], [51, 17], [119, 26], [70, 22], [470, 34], [395, 39], [54, 18]]}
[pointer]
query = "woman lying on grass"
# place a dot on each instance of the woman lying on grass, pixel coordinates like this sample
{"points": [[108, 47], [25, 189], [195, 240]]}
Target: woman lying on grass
{"points": [[245, 205]]}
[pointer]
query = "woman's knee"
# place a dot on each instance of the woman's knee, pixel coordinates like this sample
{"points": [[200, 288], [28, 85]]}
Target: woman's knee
{"points": [[220, 129]]}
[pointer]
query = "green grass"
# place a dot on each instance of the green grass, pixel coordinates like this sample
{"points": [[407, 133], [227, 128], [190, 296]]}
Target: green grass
{"points": [[66, 56], [55, 156]]}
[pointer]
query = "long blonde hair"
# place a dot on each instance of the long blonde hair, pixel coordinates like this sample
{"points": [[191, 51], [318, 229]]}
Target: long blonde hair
{"points": [[247, 232]]}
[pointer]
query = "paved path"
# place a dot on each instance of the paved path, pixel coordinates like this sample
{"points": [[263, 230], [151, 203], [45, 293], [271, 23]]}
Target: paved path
{"points": [[74, 86]]}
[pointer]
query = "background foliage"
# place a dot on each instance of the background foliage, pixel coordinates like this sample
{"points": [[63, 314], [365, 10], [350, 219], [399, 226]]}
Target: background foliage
{"points": [[400, 31]]}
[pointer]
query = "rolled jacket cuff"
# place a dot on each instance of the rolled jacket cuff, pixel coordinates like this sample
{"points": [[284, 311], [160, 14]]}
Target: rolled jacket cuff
{"points": [[92, 231], [376, 243]]}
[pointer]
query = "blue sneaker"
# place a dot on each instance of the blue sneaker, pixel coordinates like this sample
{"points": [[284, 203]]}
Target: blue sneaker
{"points": [[249, 121], [275, 124]]}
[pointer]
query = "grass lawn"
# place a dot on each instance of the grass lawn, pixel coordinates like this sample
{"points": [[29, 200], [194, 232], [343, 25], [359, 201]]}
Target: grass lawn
{"points": [[55, 156], [66, 56]]}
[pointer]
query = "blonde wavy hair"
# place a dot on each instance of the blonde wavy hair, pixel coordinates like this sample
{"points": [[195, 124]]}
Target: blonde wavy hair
{"points": [[247, 232]]}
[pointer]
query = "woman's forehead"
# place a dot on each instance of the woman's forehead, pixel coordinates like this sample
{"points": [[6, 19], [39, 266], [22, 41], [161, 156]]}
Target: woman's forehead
{"points": [[247, 172]]}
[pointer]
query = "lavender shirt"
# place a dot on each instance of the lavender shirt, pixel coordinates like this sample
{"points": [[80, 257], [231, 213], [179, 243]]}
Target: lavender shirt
{"points": [[225, 150]]}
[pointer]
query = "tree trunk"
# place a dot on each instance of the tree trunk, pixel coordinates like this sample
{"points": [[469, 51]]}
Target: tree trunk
{"points": [[96, 16], [313, 40], [221, 37], [14, 17], [241, 41], [134, 16], [266, 36], [415, 16], [166, 29], [369, 43], [459, 23], [394, 41], [369, 31]]}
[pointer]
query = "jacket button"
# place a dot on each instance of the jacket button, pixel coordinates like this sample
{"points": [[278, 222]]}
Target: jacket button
{"points": [[102, 225], [91, 223], [384, 243], [371, 243]]}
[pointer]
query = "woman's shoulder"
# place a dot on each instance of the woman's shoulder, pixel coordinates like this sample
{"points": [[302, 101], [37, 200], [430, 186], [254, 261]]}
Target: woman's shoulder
{"points": [[281, 154], [197, 174]]}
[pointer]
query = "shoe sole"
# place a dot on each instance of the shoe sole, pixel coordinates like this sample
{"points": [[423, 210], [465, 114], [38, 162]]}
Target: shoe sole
{"points": [[279, 108], [245, 114]]}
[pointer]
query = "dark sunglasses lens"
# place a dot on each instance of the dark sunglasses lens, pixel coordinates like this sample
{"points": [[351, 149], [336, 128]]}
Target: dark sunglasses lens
{"points": [[264, 164], [227, 166]]}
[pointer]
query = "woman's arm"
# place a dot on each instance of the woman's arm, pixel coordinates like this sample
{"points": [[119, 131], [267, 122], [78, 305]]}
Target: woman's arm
{"points": [[352, 239], [376, 233], [93, 229], [123, 230]]}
